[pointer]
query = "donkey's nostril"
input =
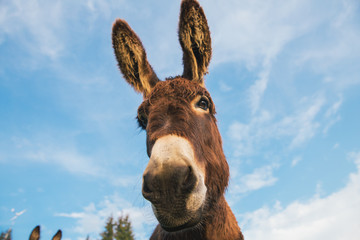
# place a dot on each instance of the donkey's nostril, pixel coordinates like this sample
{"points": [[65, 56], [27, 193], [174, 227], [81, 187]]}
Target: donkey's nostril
{"points": [[146, 188], [189, 181]]}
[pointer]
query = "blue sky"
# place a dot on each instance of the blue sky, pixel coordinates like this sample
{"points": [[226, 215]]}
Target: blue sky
{"points": [[285, 78]]}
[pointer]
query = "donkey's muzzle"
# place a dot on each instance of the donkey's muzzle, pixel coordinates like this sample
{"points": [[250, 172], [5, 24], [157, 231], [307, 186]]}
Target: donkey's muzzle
{"points": [[174, 182]]}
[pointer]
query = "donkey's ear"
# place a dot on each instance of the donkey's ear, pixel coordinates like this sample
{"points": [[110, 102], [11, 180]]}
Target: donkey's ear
{"points": [[131, 57], [57, 236], [194, 36], [35, 234]]}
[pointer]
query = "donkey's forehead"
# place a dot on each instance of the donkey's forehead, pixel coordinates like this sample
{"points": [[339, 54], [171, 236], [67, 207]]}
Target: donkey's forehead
{"points": [[177, 88]]}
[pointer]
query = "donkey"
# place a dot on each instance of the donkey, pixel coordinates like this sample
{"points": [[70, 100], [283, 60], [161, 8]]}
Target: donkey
{"points": [[35, 234], [187, 173]]}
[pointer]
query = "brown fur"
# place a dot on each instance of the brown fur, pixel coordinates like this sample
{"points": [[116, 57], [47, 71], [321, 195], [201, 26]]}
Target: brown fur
{"points": [[170, 113], [170, 108], [35, 234]]}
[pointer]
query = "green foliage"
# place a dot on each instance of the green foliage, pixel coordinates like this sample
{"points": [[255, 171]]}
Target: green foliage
{"points": [[6, 235], [108, 234], [120, 230], [123, 229]]}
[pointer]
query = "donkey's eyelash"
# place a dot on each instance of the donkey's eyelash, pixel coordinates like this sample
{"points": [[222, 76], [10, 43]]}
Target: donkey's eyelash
{"points": [[142, 122]]}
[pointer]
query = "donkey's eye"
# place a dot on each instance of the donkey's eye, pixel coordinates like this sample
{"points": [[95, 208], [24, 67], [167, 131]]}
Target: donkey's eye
{"points": [[203, 103]]}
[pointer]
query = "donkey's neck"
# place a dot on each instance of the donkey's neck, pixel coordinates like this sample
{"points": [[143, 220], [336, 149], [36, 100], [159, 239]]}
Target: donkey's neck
{"points": [[222, 225]]}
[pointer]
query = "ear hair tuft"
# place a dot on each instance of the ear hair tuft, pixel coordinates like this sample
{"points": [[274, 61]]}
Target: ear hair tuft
{"points": [[195, 40], [131, 57]]}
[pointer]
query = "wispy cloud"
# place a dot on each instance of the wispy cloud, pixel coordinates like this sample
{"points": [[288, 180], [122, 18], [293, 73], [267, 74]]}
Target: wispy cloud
{"points": [[304, 122], [17, 214], [313, 219], [331, 113], [61, 154], [44, 29], [93, 217], [38, 20], [258, 35], [334, 108], [296, 160], [300, 126], [244, 136], [258, 30], [257, 90], [259, 178], [47, 151], [255, 32]]}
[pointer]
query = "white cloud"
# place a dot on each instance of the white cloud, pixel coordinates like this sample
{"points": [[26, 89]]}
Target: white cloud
{"points": [[331, 113], [245, 136], [93, 217], [300, 126], [98, 7], [257, 90], [319, 190], [256, 31], [259, 178], [224, 87], [46, 150], [42, 28], [296, 160], [304, 122], [17, 214], [334, 217], [334, 108], [330, 124], [63, 155], [258, 35], [41, 20], [356, 157]]}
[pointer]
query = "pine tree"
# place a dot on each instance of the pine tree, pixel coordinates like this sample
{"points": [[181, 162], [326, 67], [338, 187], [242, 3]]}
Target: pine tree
{"points": [[123, 229], [108, 234], [6, 235]]}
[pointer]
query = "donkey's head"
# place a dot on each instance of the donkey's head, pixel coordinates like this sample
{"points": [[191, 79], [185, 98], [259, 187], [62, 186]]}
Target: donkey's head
{"points": [[35, 234], [187, 172]]}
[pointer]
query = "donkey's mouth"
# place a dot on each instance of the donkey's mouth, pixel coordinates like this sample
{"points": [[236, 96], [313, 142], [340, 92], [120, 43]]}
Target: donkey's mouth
{"points": [[173, 219], [179, 228], [193, 222]]}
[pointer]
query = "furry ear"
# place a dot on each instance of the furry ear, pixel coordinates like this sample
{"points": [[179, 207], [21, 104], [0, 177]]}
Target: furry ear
{"points": [[131, 57], [57, 236], [35, 234], [194, 37]]}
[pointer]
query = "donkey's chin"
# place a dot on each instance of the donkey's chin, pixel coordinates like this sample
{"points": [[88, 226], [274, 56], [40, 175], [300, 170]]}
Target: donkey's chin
{"points": [[188, 225], [174, 224], [179, 214]]}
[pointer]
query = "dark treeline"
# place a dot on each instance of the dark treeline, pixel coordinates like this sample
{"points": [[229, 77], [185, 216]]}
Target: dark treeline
{"points": [[119, 229]]}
